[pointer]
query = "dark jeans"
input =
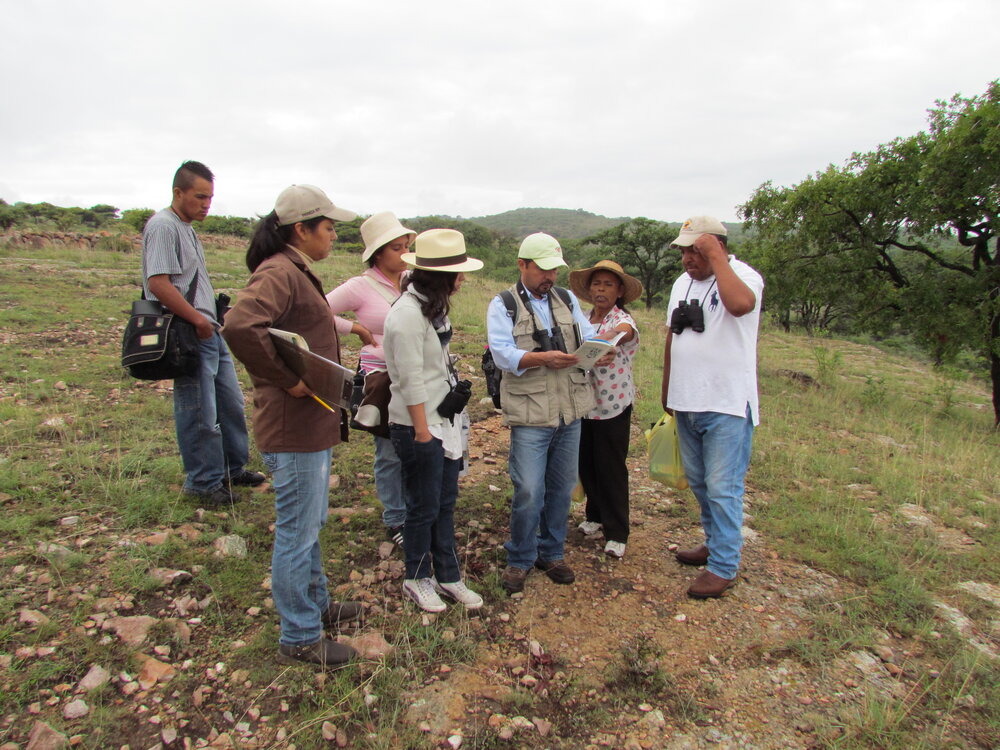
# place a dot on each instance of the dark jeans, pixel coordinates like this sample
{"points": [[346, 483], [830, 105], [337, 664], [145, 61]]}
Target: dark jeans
{"points": [[604, 474], [431, 483]]}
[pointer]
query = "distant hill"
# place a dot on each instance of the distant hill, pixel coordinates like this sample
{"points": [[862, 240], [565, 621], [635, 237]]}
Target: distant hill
{"points": [[564, 223]]}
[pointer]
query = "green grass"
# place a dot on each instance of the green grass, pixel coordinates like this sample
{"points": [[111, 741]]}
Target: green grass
{"points": [[832, 467]]}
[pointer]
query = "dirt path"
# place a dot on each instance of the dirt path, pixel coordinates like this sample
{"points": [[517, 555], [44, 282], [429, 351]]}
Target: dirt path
{"points": [[729, 681]]}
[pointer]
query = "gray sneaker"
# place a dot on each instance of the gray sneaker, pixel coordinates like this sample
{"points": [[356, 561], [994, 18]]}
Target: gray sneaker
{"points": [[324, 653]]}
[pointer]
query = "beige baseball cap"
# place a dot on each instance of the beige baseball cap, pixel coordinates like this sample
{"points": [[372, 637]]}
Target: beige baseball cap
{"points": [[303, 202], [696, 226], [543, 249]]}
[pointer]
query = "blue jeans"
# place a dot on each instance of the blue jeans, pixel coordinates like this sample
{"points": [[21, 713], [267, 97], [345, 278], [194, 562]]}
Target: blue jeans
{"points": [[543, 466], [208, 415], [432, 488], [389, 483], [715, 449], [298, 586]]}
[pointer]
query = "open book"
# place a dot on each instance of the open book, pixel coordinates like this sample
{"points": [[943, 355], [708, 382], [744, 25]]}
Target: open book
{"points": [[330, 381], [593, 349]]}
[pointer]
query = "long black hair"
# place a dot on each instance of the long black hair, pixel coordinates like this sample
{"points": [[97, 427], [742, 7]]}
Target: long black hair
{"points": [[437, 287], [270, 238]]}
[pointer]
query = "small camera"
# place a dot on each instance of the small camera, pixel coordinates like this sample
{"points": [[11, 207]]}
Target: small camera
{"points": [[688, 314], [454, 403]]}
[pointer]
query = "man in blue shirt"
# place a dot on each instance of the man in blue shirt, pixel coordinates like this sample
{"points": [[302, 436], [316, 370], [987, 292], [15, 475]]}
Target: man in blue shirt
{"points": [[543, 396]]}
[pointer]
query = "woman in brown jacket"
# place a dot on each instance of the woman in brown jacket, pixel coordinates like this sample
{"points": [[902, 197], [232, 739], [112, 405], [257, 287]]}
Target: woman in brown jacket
{"points": [[294, 433]]}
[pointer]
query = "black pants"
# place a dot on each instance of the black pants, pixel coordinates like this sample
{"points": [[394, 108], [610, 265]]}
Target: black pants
{"points": [[603, 473]]}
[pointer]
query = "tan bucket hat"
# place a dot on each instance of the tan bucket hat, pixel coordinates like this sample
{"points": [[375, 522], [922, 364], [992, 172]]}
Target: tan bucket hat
{"points": [[303, 202], [579, 281], [379, 230], [441, 250]]}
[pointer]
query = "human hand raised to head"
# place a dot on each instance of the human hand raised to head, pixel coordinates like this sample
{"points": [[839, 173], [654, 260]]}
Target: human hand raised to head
{"points": [[711, 248]]}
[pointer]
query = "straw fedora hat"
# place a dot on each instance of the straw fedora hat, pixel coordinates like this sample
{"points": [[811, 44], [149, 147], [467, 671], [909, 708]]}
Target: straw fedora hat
{"points": [[441, 250], [379, 230], [579, 281]]}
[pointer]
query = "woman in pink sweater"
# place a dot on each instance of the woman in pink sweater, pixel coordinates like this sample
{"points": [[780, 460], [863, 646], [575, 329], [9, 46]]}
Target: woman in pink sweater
{"points": [[369, 296]]}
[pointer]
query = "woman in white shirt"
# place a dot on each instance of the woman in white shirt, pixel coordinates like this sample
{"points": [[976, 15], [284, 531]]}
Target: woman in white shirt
{"points": [[424, 416]]}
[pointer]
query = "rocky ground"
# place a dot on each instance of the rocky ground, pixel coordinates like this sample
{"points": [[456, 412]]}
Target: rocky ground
{"points": [[620, 659]]}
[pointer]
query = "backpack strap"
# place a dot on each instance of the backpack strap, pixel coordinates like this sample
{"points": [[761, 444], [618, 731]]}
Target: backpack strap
{"points": [[510, 304], [384, 291]]}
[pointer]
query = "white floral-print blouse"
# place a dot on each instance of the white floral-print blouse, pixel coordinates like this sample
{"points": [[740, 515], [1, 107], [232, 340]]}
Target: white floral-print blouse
{"points": [[615, 388]]}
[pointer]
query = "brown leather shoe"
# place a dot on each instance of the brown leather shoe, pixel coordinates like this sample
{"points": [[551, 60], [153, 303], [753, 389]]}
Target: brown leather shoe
{"points": [[709, 586], [695, 556], [340, 612], [557, 570], [513, 579], [324, 653]]}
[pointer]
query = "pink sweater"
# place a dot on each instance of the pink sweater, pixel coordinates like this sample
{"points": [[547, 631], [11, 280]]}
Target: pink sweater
{"points": [[369, 306]]}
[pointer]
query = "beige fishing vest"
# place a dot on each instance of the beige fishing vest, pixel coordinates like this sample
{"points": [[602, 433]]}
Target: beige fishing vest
{"points": [[542, 396]]}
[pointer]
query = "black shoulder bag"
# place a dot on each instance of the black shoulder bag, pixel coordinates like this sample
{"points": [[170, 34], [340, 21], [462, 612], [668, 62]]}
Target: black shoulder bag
{"points": [[159, 345]]}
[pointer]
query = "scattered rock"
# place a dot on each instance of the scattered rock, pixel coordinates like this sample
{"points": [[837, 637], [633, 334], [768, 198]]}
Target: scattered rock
{"points": [[132, 630], [153, 671], [232, 545], [988, 592], [44, 737], [369, 645], [31, 617], [95, 678], [168, 577], [76, 709], [53, 551]]}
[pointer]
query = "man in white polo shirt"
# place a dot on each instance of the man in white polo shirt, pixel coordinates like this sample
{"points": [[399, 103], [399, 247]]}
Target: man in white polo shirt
{"points": [[710, 386]]}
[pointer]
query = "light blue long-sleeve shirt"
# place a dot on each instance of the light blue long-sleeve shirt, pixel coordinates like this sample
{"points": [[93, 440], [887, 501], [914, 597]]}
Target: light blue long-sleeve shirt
{"points": [[500, 329]]}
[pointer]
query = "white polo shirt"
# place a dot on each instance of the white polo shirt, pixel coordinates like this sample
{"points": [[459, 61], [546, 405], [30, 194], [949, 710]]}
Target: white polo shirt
{"points": [[715, 370]]}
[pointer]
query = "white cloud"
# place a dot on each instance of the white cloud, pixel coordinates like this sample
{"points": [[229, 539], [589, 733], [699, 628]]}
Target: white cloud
{"points": [[645, 108]]}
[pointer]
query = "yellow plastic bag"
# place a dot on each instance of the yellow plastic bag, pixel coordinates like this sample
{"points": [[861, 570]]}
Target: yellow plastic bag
{"points": [[665, 463]]}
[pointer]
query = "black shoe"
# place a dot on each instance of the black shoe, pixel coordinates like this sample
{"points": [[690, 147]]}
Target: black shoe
{"points": [[395, 535], [220, 497], [340, 612], [244, 478], [324, 653], [557, 571]]}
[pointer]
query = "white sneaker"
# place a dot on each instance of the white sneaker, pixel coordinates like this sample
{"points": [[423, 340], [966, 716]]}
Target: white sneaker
{"points": [[421, 590], [615, 549], [460, 593], [589, 528]]}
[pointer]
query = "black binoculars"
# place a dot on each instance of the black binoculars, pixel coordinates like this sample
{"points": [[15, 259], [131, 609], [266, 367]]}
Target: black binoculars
{"points": [[549, 342], [688, 314]]}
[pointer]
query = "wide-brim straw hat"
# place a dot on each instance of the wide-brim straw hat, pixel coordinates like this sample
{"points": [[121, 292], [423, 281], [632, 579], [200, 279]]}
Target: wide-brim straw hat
{"points": [[378, 230], [579, 281], [441, 250]]}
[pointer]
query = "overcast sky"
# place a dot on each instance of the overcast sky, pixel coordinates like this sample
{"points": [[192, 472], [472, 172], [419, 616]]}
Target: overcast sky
{"points": [[646, 108]]}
